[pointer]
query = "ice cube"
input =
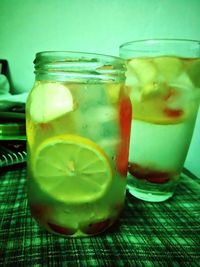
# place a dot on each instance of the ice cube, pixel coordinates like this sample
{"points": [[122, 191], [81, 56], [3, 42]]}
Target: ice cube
{"points": [[179, 99], [109, 142], [103, 113], [100, 120], [183, 81]]}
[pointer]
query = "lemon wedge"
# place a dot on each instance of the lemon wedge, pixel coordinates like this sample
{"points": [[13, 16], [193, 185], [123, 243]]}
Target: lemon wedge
{"points": [[72, 169], [50, 100]]}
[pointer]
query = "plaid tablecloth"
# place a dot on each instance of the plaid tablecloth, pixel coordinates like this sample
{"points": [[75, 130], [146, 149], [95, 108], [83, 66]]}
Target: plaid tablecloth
{"points": [[147, 234]]}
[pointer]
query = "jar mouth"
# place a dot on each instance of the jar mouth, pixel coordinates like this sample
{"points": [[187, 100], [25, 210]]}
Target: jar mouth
{"points": [[184, 48], [78, 66]]}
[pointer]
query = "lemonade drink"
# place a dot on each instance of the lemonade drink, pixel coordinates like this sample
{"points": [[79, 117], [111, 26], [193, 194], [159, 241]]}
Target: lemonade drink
{"points": [[164, 91], [78, 127]]}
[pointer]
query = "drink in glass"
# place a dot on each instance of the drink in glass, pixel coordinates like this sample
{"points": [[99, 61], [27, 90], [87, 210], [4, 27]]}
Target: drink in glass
{"points": [[78, 118], [163, 77]]}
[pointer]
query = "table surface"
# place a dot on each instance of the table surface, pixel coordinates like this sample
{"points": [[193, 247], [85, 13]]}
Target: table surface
{"points": [[147, 234]]}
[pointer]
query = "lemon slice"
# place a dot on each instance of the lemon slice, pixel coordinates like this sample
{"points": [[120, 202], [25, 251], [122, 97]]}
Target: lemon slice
{"points": [[72, 169], [50, 100]]}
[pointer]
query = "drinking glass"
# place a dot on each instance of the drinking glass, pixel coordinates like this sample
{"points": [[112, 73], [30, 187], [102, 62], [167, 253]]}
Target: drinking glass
{"points": [[78, 120], [163, 79]]}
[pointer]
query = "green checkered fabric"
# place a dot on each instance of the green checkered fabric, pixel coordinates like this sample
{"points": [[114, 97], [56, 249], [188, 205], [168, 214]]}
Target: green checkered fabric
{"points": [[147, 234]]}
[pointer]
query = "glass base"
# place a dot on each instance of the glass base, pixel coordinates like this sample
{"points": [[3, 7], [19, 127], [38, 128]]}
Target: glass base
{"points": [[152, 192]]}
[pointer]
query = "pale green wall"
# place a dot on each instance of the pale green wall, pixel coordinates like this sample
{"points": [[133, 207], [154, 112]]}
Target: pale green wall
{"points": [[29, 26]]}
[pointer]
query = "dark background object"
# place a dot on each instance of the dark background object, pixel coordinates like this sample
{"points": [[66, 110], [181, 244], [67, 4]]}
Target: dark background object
{"points": [[4, 69]]}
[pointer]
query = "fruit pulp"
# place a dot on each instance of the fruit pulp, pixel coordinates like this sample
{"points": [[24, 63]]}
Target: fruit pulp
{"points": [[165, 97], [75, 186]]}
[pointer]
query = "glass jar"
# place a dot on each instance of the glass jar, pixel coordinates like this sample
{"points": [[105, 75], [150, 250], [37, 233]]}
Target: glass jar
{"points": [[78, 119]]}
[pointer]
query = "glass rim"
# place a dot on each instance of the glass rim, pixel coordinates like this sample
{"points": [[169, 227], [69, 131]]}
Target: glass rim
{"points": [[160, 40]]}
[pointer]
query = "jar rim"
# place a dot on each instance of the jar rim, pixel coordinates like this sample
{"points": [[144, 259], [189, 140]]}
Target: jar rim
{"points": [[75, 65], [74, 54]]}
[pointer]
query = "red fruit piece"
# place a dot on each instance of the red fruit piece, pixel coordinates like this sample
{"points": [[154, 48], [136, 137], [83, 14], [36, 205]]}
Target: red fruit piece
{"points": [[95, 228], [38, 210], [170, 112], [45, 126], [60, 229], [119, 207], [171, 93], [174, 113], [125, 117], [158, 177], [137, 171], [148, 174]]}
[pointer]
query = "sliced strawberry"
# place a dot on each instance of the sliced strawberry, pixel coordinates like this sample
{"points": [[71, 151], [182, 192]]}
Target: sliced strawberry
{"points": [[97, 227], [38, 210], [45, 126], [61, 230], [171, 93], [137, 171], [122, 159], [158, 177], [174, 113], [125, 117], [119, 207], [148, 174]]}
